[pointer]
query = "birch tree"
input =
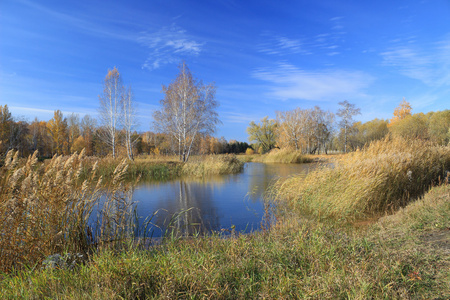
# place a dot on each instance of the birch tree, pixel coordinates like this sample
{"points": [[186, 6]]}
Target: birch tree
{"points": [[110, 108], [187, 111], [290, 126], [346, 114], [128, 120]]}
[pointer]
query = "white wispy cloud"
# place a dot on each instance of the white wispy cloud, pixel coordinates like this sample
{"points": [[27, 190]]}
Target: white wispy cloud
{"points": [[288, 82], [337, 24], [329, 42], [235, 117], [430, 65], [280, 45], [168, 45]]}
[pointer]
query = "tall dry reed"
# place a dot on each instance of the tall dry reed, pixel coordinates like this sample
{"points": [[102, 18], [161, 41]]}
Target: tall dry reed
{"points": [[45, 208], [285, 155], [213, 165], [380, 178]]}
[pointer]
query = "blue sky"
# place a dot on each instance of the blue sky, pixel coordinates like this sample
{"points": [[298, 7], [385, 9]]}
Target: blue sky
{"points": [[263, 56]]}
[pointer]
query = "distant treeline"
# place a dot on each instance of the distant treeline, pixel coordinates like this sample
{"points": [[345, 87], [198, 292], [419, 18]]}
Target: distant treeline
{"points": [[66, 135], [316, 131]]}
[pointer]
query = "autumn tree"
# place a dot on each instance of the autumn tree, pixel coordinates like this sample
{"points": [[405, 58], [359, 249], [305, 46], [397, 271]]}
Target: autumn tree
{"points": [[263, 133], [57, 128], [411, 127], [73, 129], [346, 113], [290, 128], [12, 132], [402, 111], [6, 124], [187, 111], [88, 129], [78, 144], [18, 137], [364, 133], [110, 108], [438, 126], [321, 128]]}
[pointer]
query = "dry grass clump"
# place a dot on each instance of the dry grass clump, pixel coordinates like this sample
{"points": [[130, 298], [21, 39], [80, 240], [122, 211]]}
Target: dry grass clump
{"points": [[213, 165], [285, 156], [381, 178], [44, 208]]}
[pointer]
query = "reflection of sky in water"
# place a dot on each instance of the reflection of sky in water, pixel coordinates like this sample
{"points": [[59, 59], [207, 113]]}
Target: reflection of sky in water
{"points": [[214, 203]]}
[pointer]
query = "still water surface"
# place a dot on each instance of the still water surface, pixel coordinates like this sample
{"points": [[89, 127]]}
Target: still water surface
{"points": [[216, 203]]}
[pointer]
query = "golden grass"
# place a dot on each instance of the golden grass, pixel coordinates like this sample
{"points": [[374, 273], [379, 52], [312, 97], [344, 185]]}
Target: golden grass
{"points": [[379, 179], [44, 208], [213, 165], [285, 155]]}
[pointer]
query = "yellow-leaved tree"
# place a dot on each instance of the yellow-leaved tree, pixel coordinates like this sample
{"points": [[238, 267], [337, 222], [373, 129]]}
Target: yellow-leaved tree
{"points": [[57, 127], [401, 112]]}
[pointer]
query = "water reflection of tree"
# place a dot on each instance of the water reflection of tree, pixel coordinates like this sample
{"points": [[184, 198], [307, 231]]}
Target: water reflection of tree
{"points": [[190, 213]]}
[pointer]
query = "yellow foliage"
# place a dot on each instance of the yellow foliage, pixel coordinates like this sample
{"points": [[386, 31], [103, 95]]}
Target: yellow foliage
{"points": [[401, 112], [260, 150], [156, 151], [79, 144], [57, 128]]}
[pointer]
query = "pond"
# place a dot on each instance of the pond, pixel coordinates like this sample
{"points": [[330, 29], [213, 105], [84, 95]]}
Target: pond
{"points": [[214, 204]]}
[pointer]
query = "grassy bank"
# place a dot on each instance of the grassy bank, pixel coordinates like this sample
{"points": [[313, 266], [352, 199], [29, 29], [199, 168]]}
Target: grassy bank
{"points": [[212, 165], [162, 168], [403, 255], [296, 259], [384, 177], [141, 168], [285, 156]]}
